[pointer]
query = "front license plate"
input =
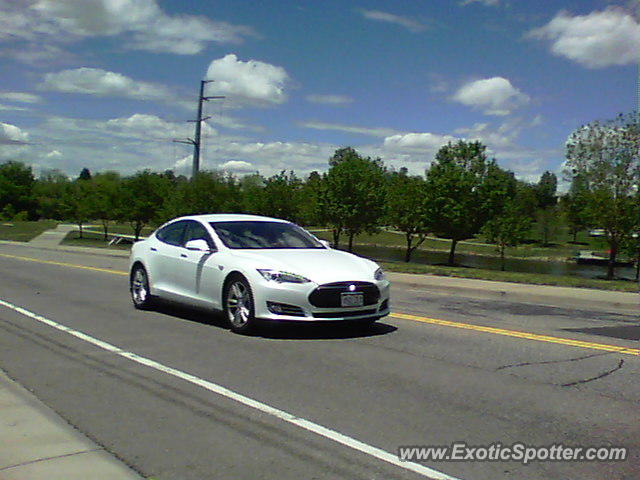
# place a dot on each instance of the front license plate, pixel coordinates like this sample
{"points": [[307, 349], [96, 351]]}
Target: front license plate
{"points": [[351, 300]]}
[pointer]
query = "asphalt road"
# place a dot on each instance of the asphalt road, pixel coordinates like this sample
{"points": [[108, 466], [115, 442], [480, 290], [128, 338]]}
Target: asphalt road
{"points": [[405, 382]]}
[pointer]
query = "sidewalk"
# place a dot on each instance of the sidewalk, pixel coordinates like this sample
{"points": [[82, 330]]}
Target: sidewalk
{"points": [[52, 238], [37, 444]]}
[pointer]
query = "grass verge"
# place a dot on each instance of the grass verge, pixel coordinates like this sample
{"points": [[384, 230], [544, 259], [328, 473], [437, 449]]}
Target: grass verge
{"points": [[24, 231], [515, 277], [90, 239]]}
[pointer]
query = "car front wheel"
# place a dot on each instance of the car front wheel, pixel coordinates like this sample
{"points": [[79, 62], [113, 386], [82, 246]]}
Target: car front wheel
{"points": [[139, 287], [238, 305]]}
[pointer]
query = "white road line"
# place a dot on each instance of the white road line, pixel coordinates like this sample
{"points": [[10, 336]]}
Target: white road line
{"points": [[225, 392]]}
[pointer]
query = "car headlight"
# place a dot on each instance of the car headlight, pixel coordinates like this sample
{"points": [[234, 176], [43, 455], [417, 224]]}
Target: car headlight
{"points": [[282, 277], [379, 274]]}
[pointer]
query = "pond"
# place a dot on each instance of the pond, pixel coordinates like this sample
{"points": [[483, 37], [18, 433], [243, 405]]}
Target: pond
{"points": [[493, 263]]}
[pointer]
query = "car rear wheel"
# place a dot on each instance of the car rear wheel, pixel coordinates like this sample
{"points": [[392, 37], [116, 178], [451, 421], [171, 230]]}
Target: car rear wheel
{"points": [[139, 287], [238, 305]]}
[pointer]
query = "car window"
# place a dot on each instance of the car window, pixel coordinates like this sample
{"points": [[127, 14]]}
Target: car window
{"points": [[172, 233], [197, 231], [263, 234]]}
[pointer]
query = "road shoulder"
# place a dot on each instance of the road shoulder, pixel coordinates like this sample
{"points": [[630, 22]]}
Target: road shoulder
{"points": [[38, 443]]}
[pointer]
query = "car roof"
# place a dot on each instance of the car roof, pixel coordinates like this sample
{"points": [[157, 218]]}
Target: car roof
{"points": [[230, 217]]}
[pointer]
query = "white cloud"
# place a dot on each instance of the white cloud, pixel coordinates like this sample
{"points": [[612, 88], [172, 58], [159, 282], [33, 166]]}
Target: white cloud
{"points": [[597, 40], [12, 135], [20, 97], [330, 99], [102, 83], [13, 108], [409, 23], [486, 3], [151, 28], [251, 82], [371, 131], [495, 96], [428, 142], [237, 166], [53, 154], [151, 127]]}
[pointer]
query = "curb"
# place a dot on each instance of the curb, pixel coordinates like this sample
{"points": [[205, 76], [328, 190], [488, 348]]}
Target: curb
{"points": [[549, 295], [37, 443]]}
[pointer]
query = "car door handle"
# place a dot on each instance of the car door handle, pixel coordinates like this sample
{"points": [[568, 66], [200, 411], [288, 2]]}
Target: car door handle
{"points": [[183, 255], [153, 249]]}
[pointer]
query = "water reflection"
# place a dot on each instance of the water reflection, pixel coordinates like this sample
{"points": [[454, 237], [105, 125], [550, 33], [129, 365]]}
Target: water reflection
{"points": [[493, 263]]}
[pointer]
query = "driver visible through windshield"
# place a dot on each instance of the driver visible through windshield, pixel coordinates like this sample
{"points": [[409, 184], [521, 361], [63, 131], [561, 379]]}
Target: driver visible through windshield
{"points": [[263, 235]]}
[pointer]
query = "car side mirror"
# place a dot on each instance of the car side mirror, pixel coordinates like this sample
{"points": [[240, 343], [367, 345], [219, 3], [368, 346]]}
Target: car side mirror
{"points": [[198, 245], [325, 243]]}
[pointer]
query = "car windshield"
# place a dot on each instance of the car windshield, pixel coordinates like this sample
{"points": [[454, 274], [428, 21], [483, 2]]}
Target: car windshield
{"points": [[259, 235]]}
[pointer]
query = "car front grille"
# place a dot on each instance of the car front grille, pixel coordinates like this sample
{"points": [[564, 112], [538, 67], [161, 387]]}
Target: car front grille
{"points": [[328, 295], [348, 313]]}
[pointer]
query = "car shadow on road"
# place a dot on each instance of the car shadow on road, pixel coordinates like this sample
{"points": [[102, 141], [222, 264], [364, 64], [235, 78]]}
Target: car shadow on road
{"points": [[284, 330]]}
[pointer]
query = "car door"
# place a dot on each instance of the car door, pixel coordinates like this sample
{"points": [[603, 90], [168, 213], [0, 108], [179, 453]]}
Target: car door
{"points": [[199, 275], [165, 260]]}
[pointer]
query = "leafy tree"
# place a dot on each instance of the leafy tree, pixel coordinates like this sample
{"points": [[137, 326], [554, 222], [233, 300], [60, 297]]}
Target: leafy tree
{"points": [[16, 188], [526, 198], [545, 190], [144, 195], [465, 190], [282, 196], [573, 205], [85, 174], [507, 229], [547, 224], [77, 203], [407, 209], [209, 192], [48, 194], [106, 199], [605, 156], [352, 194]]}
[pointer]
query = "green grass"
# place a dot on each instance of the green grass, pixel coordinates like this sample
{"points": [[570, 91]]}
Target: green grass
{"points": [[24, 231], [123, 228], [90, 239], [515, 277], [559, 250]]}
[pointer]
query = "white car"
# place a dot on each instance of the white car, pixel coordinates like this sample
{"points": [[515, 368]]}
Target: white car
{"points": [[253, 268]]}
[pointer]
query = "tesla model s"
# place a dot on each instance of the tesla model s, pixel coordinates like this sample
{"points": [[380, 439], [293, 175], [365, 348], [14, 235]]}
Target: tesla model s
{"points": [[254, 268]]}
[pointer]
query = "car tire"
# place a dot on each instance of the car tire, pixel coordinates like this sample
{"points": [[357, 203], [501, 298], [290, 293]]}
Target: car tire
{"points": [[139, 288], [239, 309]]}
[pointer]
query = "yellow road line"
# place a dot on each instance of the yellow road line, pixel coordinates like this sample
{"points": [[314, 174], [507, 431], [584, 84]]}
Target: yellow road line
{"points": [[433, 321], [518, 334], [62, 264]]}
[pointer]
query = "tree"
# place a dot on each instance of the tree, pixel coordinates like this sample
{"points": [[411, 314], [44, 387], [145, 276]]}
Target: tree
{"points": [[48, 194], [282, 196], [465, 190], [85, 174], [407, 209], [507, 229], [605, 156], [144, 195], [77, 202], [547, 224], [16, 188], [352, 194], [106, 199], [545, 190], [573, 205]]}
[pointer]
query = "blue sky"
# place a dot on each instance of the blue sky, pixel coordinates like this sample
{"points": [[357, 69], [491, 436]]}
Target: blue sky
{"points": [[108, 84]]}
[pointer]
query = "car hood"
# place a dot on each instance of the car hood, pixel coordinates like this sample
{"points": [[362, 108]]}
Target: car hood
{"points": [[318, 265]]}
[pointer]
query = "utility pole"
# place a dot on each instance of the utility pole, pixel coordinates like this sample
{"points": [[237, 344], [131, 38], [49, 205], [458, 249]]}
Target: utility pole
{"points": [[198, 121]]}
